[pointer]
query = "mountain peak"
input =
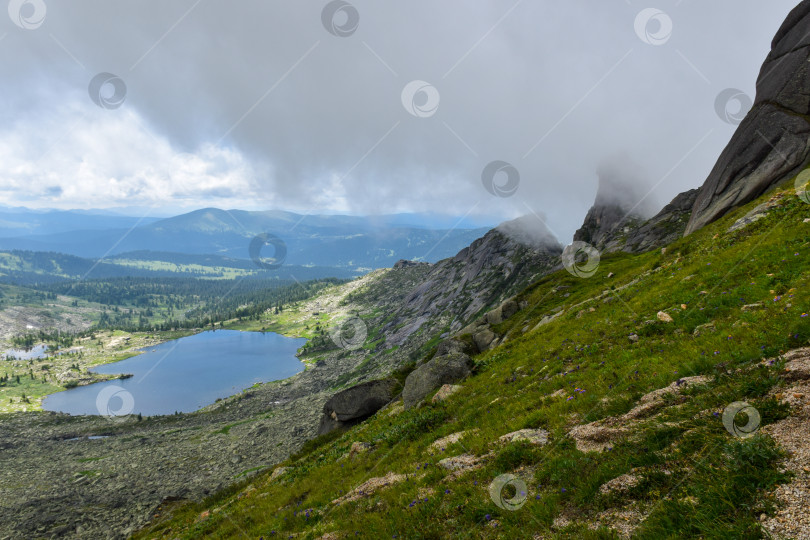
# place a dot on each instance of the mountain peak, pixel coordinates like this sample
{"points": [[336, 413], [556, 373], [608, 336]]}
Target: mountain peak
{"points": [[772, 144], [621, 203], [530, 231]]}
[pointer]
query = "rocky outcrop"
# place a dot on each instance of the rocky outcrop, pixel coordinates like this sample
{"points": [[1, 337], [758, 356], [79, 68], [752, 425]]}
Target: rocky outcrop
{"points": [[502, 312], [440, 370], [454, 291], [481, 332], [454, 345], [620, 206], [604, 226], [403, 263], [772, 144], [662, 229], [355, 404]]}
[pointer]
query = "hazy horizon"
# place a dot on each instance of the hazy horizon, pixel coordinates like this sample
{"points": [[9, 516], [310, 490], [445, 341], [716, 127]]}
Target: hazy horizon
{"points": [[352, 111]]}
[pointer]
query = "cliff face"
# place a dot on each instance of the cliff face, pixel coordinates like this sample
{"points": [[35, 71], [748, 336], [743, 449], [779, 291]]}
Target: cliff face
{"points": [[617, 221], [480, 276], [605, 229], [605, 225], [772, 144]]}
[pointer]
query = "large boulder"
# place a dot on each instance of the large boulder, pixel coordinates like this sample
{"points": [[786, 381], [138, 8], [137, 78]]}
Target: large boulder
{"points": [[772, 144], [483, 338], [502, 312], [440, 370], [454, 345], [355, 404]]}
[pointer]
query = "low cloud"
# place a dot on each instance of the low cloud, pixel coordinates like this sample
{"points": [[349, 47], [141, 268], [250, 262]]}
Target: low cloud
{"points": [[258, 105]]}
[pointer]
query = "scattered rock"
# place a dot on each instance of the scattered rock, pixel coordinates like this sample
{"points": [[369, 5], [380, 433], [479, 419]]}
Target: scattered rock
{"points": [[703, 328], [797, 366], [445, 392], [484, 338], [538, 437], [369, 487], [664, 317], [547, 319], [595, 437], [623, 521], [502, 312], [444, 442], [464, 462], [359, 448], [751, 307], [753, 216], [453, 345], [792, 519], [633, 338], [654, 400], [279, 471], [619, 484]]}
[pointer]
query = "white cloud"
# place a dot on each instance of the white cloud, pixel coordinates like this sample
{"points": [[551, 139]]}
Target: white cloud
{"points": [[111, 158]]}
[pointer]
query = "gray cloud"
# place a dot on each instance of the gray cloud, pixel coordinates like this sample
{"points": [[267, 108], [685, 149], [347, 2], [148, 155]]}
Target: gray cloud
{"points": [[288, 115]]}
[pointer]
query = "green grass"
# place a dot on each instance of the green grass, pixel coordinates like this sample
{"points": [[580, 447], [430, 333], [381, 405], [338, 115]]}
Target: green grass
{"points": [[695, 479]]}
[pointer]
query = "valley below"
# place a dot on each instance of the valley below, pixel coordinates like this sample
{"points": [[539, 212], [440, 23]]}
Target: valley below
{"points": [[97, 476]]}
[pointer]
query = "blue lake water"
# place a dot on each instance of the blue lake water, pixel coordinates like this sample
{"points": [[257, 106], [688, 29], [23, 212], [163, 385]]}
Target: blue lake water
{"points": [[184, 375]]}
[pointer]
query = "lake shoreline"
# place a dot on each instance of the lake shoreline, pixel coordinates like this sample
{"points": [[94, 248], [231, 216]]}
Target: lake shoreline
{"points": [[127, 477], [115, 350], [203, 367]]}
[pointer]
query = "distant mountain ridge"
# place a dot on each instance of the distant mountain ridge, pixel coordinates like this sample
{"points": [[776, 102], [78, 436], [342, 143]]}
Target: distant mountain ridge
{"points": [[311, 240], [23, 221], [28, 268]]}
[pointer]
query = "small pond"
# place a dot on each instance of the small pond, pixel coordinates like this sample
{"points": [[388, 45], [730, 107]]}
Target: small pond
{"points": [[34, 353]]}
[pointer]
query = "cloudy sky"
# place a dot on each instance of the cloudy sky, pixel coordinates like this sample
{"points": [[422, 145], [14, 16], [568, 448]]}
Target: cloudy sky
{"points": [[368, 107]]}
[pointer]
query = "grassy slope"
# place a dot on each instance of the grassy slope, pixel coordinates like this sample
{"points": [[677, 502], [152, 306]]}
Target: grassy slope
{"points": [[696, 479]]}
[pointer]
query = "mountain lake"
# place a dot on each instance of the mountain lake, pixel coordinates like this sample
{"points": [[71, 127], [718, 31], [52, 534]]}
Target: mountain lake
{"points": [[184, 375]]}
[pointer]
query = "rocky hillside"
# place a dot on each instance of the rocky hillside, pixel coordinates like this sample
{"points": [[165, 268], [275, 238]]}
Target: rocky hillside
{"points": [[410, 308], [772, 144], [653, 398], [655, 402], [55, 481], [480, 276], [608, 227]]}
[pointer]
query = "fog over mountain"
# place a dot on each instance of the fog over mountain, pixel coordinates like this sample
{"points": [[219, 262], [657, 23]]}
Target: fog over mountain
{"points": [[258, 106]]}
